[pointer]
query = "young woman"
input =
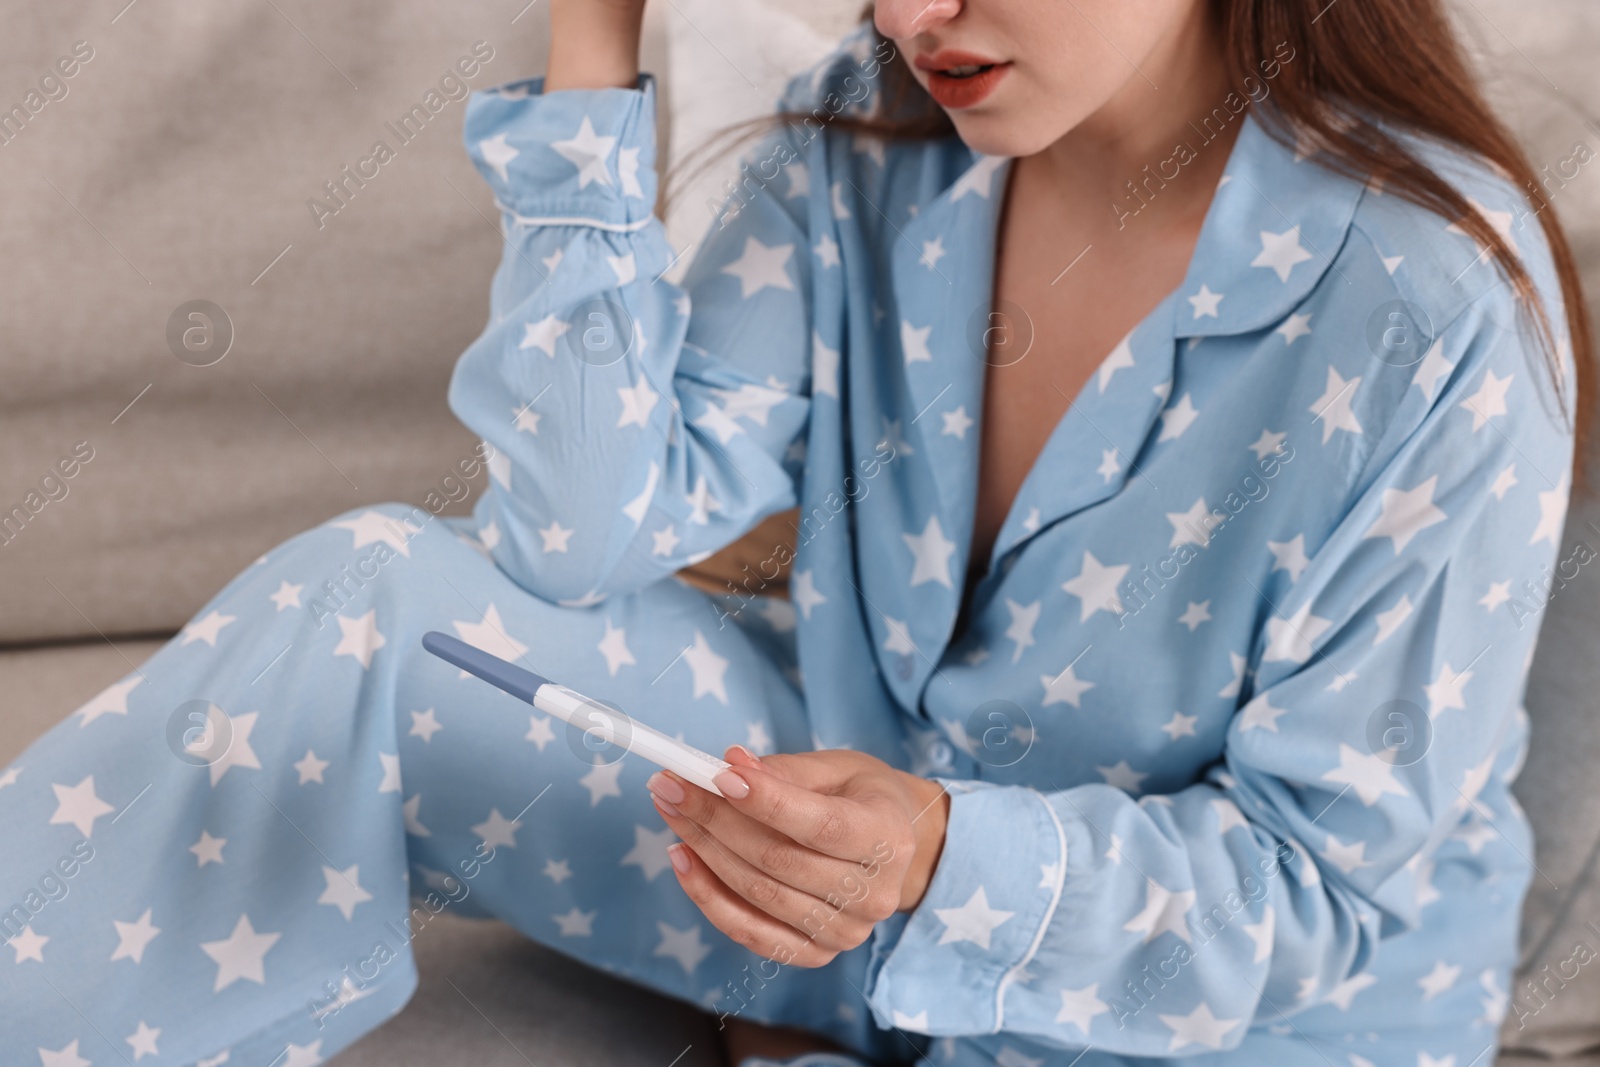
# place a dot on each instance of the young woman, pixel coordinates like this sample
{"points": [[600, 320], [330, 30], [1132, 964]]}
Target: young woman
{"points": [[1158, 705]]}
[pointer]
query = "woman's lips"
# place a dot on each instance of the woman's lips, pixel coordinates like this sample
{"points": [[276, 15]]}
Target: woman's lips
{"points": [[960, 79]]}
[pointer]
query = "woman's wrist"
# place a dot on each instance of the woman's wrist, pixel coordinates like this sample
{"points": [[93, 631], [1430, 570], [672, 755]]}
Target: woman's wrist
{"points": [[930, 817], [594, 44]]}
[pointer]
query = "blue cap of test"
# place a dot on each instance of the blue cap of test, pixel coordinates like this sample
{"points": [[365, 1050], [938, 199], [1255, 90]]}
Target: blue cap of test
{"points": [[520, 683]]}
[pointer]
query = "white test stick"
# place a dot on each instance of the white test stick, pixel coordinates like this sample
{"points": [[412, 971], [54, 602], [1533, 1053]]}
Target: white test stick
{"points": [[605, 723]]}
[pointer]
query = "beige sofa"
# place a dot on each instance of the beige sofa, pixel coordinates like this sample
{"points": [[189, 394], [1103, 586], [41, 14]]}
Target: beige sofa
{"points": [[175, 165]]}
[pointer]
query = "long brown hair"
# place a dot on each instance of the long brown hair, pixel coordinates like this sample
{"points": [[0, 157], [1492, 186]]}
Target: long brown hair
{"points": [[1361, 66]]}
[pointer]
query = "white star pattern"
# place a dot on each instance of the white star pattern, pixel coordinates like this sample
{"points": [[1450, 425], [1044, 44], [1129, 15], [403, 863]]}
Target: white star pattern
{"points": [[498, 154], [1259, 714], [208, 849], [374, 527], [1445, 691], [914, 343], [143, 1041], [803, 591], [343, 890], [1294, 638], [544, 334], [1063, 688], [1177, 418], [1369, 775], [827, 251], [1121, 357], [1290, 556], [1206, 303], [1096, 587], [424, 724], [1261, 934], [28, 945], [614, 647], [1268, 444], [1432, 370], [1347, 857], [649, 851], [761, 267], [601, 780], [1333, 409], [973, 921], [1164, 911], [1407, 513], [555, 537], [1294, 328], [1024, 617], [539, 731], [310, 768], [489, 635], [708, 669], [205, 629], [287, 596], [65, 1056], [1180, 725], [587, 151], [979, 179], [1389, 621], [79, 807], [1552, 514], [111, 701], [956, 423], [497, 831], [576, 923], [359, 638], [931, 551], [1199, 1027], [1080, 1006], [134, 937], [1438, 980], [638, 400], [684, 946], [240, 955], [1280, 252]]}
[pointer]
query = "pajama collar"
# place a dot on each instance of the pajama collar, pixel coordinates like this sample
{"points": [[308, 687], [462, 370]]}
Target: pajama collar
{"points": [[1271, 233]]}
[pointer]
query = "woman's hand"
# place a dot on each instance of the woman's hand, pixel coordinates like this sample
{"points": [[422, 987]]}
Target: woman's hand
{"points": [[805, 853], [594, 44]]}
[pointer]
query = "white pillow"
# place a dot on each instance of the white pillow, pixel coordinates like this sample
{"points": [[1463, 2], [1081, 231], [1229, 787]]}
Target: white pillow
{"points": [[728, 62]]}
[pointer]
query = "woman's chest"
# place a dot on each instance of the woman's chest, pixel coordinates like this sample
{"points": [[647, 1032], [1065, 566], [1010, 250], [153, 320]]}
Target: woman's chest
{"points": [[1067, 291]]}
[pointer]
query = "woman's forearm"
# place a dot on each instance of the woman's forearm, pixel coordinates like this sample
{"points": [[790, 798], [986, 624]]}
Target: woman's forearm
{"points": [[594, 44]]}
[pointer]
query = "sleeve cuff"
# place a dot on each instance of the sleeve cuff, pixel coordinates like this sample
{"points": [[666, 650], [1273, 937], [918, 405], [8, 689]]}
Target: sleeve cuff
{"points": [[944, 968], [572, 157]]}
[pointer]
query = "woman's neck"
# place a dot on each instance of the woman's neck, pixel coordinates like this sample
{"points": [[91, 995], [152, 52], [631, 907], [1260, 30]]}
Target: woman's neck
{"points": [[1160, 108]]}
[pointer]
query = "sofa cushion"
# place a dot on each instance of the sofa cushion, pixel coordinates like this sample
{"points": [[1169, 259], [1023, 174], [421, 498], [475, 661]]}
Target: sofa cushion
{"points": [[185, 159]]}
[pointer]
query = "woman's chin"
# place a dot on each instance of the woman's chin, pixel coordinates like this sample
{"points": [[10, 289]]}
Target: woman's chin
{"points": [[1002, 132]]}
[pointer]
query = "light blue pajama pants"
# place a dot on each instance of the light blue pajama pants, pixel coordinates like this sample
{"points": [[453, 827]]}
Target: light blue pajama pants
{"points": [[214, 860]]}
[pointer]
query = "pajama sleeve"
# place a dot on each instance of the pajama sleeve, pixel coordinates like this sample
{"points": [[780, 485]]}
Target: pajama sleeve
{"points": [[1375, 718], [637, 425]]}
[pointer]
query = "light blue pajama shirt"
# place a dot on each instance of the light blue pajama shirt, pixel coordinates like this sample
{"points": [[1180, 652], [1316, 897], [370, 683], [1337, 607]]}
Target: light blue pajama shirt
{"points": [[1229, 728]]}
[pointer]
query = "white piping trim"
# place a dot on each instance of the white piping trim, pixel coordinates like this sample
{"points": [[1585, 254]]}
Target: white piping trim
{"points": [[1038, 937], [575, 220]]}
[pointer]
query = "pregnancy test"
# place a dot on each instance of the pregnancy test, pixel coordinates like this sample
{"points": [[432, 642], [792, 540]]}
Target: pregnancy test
{"points": [[585, 713]]}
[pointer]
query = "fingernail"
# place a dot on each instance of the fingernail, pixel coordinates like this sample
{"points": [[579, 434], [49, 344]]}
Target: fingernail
{"points": [[748, 756], [665, 788], [679, 855], [667, 807], [732, 785]]}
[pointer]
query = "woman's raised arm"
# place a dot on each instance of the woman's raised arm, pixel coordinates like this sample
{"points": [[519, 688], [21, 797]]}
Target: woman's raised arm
{"points": [[639, 425]]}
